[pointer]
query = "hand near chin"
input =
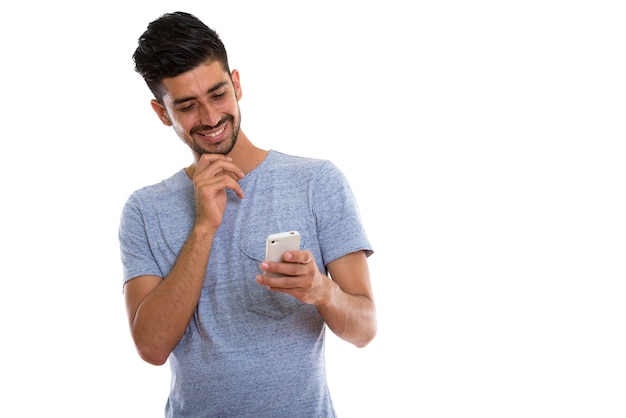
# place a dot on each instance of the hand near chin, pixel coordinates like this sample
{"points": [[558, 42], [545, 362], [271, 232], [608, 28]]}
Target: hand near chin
{"points": [[214, 174]]}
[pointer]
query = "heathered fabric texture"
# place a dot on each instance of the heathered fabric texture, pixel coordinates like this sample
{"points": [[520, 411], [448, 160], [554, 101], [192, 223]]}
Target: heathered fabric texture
{"points": [[247, 351]]}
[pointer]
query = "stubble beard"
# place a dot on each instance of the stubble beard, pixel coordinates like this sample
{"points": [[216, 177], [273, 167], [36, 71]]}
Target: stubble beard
{"points": [[226, 146]]}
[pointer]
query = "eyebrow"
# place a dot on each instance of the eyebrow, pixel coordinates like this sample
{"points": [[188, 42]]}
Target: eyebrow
{"points": [[209, 91]]}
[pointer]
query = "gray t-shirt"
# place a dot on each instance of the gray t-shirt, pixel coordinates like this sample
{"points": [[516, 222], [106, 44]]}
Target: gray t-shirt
{"points": [[247, 351]]}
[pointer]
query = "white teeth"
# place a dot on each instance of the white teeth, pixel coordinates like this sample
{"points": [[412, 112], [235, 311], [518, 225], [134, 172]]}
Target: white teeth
{"points": [[213, 135]]}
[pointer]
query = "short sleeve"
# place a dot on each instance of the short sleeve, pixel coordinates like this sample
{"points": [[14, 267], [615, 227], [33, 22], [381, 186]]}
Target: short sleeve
{"points": [[136, 255], [339, 223]]}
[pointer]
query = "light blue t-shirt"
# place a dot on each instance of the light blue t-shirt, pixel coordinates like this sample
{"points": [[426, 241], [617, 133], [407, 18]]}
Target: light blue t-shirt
{"points": [[247, 351]]}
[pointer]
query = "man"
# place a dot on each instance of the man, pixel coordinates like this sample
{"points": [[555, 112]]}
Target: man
{"points": [[239, 342]]}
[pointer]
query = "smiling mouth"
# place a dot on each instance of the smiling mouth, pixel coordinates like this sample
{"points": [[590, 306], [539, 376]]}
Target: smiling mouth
{"points": [[213, 134], [208, 131]]}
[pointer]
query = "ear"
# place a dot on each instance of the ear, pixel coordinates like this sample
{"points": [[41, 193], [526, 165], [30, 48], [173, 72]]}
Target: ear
{"points": [[161, 112], [234, 75]]}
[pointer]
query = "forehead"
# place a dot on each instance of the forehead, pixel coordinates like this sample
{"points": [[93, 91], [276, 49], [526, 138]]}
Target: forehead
{"points": [[195, 82]]}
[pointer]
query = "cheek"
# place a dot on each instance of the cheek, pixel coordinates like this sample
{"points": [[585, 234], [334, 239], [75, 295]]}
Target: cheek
{"points": [[232, 110], [183, 123], [181, 129]]}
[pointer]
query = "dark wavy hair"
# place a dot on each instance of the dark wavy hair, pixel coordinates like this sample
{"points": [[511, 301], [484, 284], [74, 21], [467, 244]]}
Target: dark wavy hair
{"points": [[173, 44]]}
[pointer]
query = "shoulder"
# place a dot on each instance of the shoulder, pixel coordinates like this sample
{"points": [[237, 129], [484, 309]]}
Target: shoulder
{"points": [[306, 173], [172, 187], [294, 163], [174, 183]]}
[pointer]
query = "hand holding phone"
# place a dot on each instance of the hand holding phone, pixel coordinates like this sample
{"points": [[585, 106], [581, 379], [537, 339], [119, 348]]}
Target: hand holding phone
{"points": [[277, 244]]}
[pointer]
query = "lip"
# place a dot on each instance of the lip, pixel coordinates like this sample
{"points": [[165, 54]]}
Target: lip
{"points": [[215, 135]]}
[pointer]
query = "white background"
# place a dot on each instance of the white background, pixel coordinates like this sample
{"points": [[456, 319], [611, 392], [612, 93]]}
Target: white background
{"points": [[484, 142]]}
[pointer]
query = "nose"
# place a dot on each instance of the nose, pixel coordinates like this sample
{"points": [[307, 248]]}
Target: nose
{"points": [[209, 115]]}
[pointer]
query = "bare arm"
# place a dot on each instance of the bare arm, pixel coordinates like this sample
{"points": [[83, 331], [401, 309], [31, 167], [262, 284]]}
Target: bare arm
{"points": [[159, 309], [346, 302]]}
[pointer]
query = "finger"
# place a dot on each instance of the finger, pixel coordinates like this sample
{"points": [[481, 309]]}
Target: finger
{"points": [[272, 269], [216, 165], [207, 159], [221, 182], [277, 282], [301, 257]]}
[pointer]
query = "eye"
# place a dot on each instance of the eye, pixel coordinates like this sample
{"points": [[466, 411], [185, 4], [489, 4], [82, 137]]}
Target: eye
{"points": [[218, 96], [186, 108]]}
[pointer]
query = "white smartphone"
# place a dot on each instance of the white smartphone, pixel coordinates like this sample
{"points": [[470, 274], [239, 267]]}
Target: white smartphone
{"points": [[277, 244]]}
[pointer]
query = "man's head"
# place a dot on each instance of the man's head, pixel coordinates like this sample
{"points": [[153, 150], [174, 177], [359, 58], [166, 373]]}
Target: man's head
{"points": [[185, 65], [173, 44]]}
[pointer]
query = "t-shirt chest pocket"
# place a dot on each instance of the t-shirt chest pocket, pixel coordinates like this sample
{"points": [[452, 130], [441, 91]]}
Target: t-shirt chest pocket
{"points": [[259, 299]]}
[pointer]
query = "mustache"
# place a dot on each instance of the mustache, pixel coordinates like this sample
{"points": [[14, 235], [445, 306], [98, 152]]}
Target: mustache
{"points": [[199, 128]]}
